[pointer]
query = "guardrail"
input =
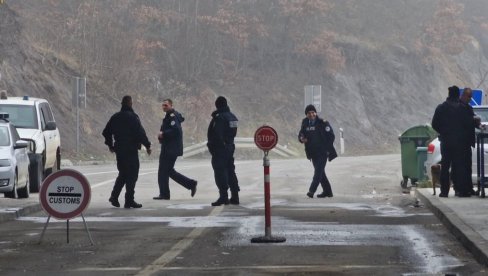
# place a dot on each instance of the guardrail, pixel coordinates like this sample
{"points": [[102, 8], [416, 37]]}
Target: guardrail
{"points": [[240, 142]]}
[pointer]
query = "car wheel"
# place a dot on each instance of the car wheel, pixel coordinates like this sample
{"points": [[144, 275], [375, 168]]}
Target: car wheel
{"points": [[35, 174], [24, 192], [57, 164], [58, 160], [13, 193]]}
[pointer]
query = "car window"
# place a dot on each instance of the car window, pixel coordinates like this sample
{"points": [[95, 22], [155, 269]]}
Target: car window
{"points": [[43, 120], [4, 137], [15, 134], [482, 112], [46, 111], [22, 116]]}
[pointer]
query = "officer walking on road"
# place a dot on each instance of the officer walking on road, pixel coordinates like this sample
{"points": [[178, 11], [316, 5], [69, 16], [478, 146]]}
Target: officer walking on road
{"points": [[318, 137], [171, 139], [124, 135], [221, 132], [450, 122]]}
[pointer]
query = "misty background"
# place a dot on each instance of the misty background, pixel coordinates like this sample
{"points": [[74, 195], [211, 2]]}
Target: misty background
{"points": [[383, 65]]}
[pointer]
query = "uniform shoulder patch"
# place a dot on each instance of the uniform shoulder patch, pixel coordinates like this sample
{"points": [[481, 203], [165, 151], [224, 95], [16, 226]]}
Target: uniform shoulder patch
{"points": [[327, 128], [172, 115], [173, 123]]}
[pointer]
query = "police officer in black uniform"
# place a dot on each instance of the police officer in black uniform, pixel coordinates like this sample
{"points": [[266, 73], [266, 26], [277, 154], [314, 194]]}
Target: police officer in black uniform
{"points": [[318, 137], [469, 128], [171, 139], [221, 133], [451, 122], [126, 129]]}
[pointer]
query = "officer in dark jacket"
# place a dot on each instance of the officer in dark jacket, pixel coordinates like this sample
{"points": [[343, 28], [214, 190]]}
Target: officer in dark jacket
{"points": [[473, 122], [450, 121], [318, 137], [126, 129], [221, 133], [171, 139]]}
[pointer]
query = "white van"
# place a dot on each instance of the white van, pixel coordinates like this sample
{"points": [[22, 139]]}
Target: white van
{"points": [[35, 123]]}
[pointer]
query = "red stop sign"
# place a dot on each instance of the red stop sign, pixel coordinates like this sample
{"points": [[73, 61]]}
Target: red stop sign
{"points": [[266, 138]]}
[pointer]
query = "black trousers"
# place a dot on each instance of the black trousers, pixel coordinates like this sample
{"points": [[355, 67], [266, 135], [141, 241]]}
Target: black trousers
{"points": [[455, 158], [319, 175], [166, 170], [128, 167], [224, 173]]}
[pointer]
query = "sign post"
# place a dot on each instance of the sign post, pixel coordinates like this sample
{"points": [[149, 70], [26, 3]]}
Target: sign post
{"points": [[313, 95], [266, 139], [65, 194], [79, 100]]}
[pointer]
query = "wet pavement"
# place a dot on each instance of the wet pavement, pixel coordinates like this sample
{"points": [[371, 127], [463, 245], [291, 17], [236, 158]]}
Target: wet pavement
{"points": [[465, 218], [368, 227]]}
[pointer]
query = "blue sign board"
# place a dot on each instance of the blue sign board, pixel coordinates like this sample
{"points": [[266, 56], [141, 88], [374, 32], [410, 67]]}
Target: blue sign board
{"points": [[477, 98]]}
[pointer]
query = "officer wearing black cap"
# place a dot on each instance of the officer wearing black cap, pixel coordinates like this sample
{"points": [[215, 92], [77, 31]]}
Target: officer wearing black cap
{"points": [[124, 135], [449, 122], [318, 137], [221, 133]]}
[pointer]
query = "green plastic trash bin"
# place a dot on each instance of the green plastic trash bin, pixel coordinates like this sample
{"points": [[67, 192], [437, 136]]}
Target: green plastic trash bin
{"points": [[421, 158], [417, 136]]}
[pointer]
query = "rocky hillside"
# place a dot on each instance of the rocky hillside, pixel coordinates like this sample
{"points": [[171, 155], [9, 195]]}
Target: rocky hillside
{"points": [[383, 65]]}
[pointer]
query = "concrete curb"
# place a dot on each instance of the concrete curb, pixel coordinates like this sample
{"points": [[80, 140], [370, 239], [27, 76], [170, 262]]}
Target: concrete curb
{"points": [[14, 213], [468, 237]]}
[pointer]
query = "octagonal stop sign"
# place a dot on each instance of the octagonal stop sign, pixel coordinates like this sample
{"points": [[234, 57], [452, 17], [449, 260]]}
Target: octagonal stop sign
{"points": [[266, 138]]}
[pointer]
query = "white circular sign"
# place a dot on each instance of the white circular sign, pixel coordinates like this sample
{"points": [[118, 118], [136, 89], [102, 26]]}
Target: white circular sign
{"points": [[65, 194]]}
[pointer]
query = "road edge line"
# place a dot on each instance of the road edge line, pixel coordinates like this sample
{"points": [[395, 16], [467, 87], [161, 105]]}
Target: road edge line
{"points": [[178, 248]]}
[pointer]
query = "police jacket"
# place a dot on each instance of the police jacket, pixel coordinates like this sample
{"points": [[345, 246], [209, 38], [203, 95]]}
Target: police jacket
{"points": [[320, 138], [172, 142], [221, 131], [124, 132], [450, 121]]}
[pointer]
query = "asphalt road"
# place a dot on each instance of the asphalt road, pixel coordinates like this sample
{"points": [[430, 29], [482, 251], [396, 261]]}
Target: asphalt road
{"points": [[368, 227]]}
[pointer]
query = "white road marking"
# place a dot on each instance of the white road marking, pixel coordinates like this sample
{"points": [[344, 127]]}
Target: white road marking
{"points": [[107, 269], [110, 181], [179, 247], [111, 172]]}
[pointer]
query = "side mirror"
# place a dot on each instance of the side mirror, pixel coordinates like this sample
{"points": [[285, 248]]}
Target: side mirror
{"points": [[51, 125], [21, 144]]}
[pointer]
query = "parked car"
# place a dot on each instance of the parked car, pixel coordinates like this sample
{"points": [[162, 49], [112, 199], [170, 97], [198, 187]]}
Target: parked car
{"points": [[35, 122], [14, 161], [434, 148]]}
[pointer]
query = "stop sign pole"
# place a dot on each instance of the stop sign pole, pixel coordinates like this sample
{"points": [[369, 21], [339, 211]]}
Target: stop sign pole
{"points": [[266, 139]]}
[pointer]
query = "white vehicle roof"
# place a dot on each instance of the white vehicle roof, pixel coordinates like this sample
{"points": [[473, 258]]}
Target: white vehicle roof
{"points": [[26, 100]]}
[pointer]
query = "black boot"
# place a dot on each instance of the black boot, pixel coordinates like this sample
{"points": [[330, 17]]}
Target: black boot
{"points": [[234, 199], [114, 201], [132, 204], [324, 194], [221, 201]]}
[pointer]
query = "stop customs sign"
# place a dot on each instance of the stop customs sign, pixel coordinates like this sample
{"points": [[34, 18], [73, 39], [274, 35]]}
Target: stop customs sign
{"points": [[266, 138], [65, 194]]}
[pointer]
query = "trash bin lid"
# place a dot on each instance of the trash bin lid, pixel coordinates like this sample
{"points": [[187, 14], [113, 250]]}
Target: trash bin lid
{"points": [[420, 131]]}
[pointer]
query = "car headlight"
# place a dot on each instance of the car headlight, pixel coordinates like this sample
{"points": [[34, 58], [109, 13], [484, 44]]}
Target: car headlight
{"points": [[5, 163]]}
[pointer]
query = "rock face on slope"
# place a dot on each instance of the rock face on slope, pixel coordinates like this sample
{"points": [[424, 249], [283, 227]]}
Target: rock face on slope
{"points": [[384, 88]]}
